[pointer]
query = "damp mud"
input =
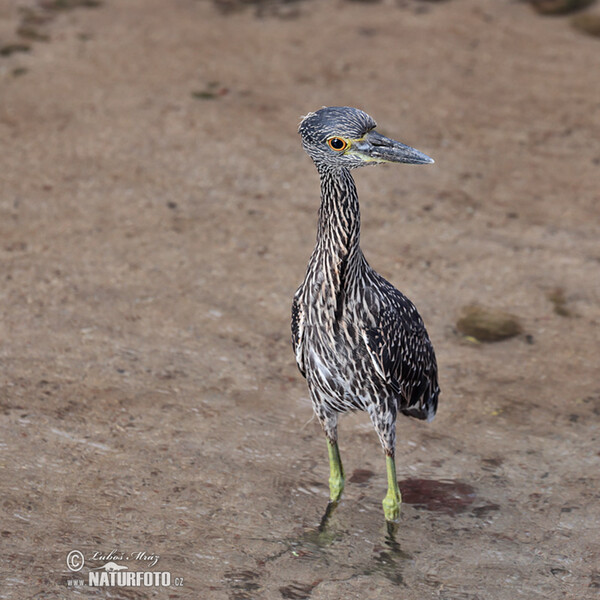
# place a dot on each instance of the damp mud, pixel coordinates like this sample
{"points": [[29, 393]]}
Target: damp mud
{"points": [[156, 215]]}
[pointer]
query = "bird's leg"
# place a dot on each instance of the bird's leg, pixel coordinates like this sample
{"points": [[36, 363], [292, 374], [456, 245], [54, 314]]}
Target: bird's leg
{"points": [[336, 471], [336, 480], [383, 417], [393, 498], [328, 422]]}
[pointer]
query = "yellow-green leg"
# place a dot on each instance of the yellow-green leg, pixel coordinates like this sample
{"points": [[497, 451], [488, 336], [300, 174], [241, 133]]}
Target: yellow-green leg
{"points": [[336, 472], [393, 498]]}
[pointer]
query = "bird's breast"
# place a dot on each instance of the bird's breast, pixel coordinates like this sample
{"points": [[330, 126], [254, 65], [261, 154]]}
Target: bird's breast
{"points": [[336, 360]]}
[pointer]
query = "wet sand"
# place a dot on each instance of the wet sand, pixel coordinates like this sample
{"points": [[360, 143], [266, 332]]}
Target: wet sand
{"points": [[156, 216]]}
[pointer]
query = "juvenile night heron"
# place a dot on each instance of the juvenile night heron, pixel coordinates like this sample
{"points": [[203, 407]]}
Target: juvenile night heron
{"points": [[359, 342]]}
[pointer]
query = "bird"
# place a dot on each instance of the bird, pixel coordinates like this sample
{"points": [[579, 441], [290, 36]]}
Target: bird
{"points": [[359, 342]]}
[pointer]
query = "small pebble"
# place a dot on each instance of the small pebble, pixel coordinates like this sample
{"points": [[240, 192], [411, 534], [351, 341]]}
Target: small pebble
{"points": [[559, 7], [589, 24]]}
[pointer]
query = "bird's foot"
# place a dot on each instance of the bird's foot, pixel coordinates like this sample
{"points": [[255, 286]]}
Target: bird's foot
{"points": [[393, 498], [391, 506]]}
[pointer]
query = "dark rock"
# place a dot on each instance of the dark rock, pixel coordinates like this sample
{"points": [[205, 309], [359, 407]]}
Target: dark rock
{"points": [[9, 49], [589, 24], [488, 325], [557, 297], [559, 7]]}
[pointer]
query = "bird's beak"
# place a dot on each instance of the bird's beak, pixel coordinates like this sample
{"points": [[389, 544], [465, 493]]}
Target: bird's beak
{"points": [[375, 147]]}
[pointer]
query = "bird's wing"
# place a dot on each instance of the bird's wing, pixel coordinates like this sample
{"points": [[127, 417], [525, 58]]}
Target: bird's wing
{"points": [[402, 354], [298, 331]]}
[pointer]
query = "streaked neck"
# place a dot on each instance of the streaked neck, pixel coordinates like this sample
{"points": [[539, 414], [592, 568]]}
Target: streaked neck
{"points": [[338, 232]]}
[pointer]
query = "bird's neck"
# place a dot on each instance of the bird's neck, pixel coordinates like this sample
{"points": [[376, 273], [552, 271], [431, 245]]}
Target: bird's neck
{"points": [[337, 258], [338, 233]]}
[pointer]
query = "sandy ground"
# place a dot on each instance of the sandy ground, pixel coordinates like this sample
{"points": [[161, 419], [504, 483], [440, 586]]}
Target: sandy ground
{"points": [[156, 215]]}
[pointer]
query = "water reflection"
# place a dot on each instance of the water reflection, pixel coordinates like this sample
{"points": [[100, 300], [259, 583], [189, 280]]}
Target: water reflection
{"points": [[351, 541]]}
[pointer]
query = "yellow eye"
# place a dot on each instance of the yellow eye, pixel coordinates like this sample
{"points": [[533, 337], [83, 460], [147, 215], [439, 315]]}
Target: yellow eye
{"points": [[337, 144]]}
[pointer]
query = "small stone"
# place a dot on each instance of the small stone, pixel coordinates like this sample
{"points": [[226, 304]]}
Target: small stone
{"points": [[212, 90], [488, 325], [559, 7], [69, 4], [589, 24], [9, 49], [32, 33], [557, 297]]}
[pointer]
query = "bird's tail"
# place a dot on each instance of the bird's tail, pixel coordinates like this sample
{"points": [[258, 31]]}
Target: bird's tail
{"points": [[423, 401]]}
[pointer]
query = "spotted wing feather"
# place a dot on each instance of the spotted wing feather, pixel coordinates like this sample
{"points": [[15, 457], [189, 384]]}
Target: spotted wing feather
{"points": [[401, 351]]}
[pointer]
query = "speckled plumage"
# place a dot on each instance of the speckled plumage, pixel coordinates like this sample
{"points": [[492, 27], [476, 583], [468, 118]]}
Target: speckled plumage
{"points": [[359, 342]]}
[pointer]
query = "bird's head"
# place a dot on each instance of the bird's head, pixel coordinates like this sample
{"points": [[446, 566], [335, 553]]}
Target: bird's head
{"points": [[341, 136]]}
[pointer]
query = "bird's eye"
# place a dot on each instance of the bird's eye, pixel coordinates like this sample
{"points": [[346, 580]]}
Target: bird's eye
{"points": [[337, 144]]}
